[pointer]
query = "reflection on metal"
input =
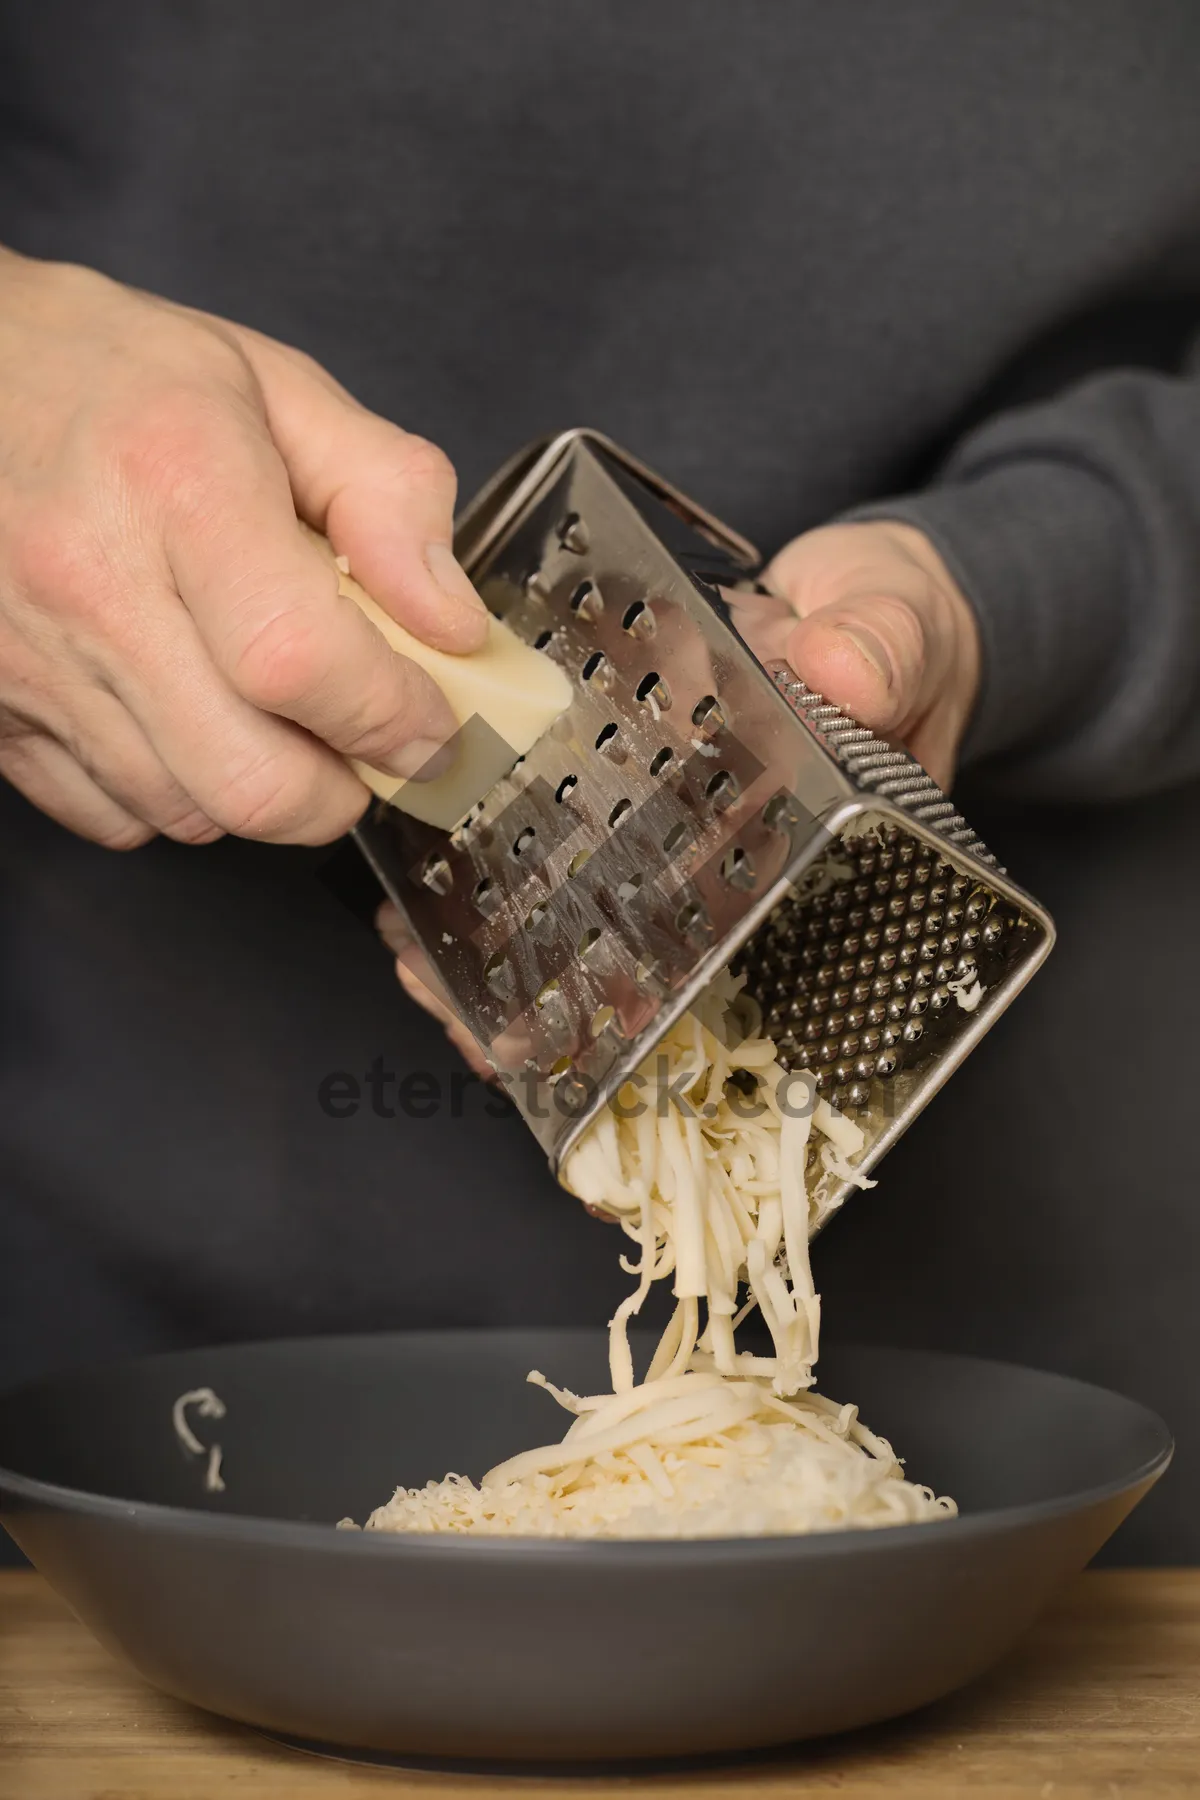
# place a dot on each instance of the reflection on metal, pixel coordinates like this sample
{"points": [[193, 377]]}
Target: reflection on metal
{"points": [[691, 810]]}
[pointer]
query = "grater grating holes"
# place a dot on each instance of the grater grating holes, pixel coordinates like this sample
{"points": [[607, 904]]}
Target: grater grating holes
{"points": [[437, 874], [863, 1002], [723, 789], [639, 620], [587, 602], [573, 534], [653, 691], [738, 869]]}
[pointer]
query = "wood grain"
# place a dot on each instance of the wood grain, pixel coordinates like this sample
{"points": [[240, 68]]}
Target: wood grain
{"points": [[1102, 1702]]}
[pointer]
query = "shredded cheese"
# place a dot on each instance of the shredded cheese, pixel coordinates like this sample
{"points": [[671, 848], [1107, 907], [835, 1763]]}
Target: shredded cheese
{"points": [[967, 990], [718, 1174], [208, 1406]]}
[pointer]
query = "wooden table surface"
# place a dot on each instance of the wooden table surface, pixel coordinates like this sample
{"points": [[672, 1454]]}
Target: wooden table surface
{"points": [[1102, 1701]]}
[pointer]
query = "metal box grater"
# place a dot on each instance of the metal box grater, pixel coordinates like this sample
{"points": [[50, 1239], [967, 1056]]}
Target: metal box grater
{"points": [[691, 810]]}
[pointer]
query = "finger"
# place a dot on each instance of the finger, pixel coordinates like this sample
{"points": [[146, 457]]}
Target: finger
{"points": [[764, 621], [252, 774], [866, 656], [429, 998], [392, 927], [50, 777], [267, 606], [421, 983], [383, 497], [861, 652], [130, 771]]}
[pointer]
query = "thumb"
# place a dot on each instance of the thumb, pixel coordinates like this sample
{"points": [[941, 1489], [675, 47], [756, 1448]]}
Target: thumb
{"points": [[383, 497], [882, 630], [865, 654]]}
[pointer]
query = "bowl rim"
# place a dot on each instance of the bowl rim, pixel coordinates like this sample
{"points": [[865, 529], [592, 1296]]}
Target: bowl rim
{"points": [[296, 1534]]}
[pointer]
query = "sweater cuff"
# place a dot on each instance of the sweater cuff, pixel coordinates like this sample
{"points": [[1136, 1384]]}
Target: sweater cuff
{"points": [[1040, 549]]}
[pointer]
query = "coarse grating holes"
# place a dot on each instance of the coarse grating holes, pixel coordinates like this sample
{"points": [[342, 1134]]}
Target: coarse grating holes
{"points": [[738, 870], [603, 1019], [631, 887], [536, 585], [609, 744], [781, 812], [542, 639], [560, 1067], [573, 534], [723, 789], [577, 861], [587, 602], [523, 840], [588, 941], [463, 831], [435, 874], [639, 621], [598, 671], [497, 972], [653, 691], [548, 993], [620, 811], [564, 787], [660, 759], [485, 895], [707, 716], [692, 920], [536, 914], [679, 835]]}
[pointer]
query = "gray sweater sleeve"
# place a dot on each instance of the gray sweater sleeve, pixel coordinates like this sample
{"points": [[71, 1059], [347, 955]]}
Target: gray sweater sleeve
{"points": [[1073, 527]]}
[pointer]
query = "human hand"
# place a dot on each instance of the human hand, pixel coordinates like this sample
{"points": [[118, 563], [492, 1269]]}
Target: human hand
{"points": [[174, 654], [421, 983], [869, 616]]}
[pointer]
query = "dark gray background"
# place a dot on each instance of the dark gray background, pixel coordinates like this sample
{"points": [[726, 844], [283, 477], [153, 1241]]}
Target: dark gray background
{"points": [[786, 254]]}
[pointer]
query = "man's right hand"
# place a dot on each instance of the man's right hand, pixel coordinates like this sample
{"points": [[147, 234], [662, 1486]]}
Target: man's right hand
{"points": [[174, 655]]}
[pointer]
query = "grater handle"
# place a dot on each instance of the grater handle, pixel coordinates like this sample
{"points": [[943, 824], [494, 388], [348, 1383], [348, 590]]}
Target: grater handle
{"points": [[877, 767]]}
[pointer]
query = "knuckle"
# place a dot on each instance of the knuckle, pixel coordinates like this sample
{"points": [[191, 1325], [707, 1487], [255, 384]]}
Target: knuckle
{"points": [[304, 364], [281, 664], [372, 740], [54, 559], [422, 464], [278, 799], [124, 834], [181, 448], [164, 449], [191, 827]]}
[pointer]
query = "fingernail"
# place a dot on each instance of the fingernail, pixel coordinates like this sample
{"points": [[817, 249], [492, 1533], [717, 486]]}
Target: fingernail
{"points": [[451, 577], [874, 649], [422, 759]]}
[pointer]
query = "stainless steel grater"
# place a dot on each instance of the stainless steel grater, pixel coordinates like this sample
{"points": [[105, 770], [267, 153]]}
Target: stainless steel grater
{"points": [[691, 810]]}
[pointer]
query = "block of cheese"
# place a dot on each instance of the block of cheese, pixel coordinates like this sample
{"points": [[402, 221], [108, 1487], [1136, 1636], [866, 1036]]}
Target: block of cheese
{"points": [[504, 695]]}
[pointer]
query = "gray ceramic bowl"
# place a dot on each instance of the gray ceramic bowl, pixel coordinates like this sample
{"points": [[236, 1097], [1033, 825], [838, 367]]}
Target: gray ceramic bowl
{"points": [[247, 1603]]}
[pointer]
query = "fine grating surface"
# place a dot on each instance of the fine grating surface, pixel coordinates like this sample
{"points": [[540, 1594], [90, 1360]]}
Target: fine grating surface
{"points": [[854, 978]]}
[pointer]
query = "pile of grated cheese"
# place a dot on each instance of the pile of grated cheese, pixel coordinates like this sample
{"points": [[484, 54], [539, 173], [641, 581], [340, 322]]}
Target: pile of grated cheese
{"points": [[721, 1193]]}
